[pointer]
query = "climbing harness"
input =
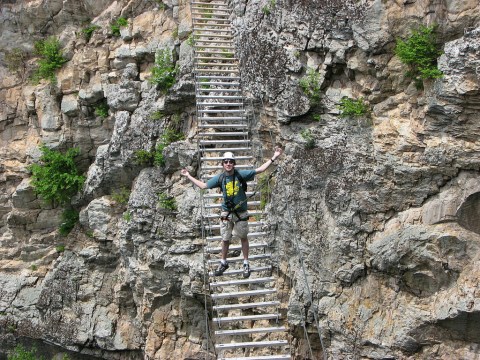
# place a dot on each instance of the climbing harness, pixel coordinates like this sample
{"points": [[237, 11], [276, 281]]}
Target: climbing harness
{"points": [[232, 208]]}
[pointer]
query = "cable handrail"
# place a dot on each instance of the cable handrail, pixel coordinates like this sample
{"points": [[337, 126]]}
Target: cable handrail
{"points": [[296, 246], [302, 265]]}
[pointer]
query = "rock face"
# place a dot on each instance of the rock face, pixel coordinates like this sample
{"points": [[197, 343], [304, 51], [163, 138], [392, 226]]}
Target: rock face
{"points": [[375, 220]]}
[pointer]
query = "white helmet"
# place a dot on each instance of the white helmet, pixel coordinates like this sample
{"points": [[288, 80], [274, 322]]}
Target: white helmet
{"points": [[228, 155]]}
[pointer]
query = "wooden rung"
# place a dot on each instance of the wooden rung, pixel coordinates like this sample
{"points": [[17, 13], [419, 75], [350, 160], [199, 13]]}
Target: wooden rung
{"points": [[250, 331], [254, 305], [222, 36], [217, 250], [247, 317], [251, 224], [219, 77], [217, 216], [223, 118], [205, 111], [240, 259], [251, 344], [213, 71], [225, 133], [240, 271], [250, 236], [242, 281], [265, 357]]}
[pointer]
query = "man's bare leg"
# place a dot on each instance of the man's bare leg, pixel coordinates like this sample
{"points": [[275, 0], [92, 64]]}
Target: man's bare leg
{"points": [[246, 265], [245, 248], [225, 246], [223, 263]]}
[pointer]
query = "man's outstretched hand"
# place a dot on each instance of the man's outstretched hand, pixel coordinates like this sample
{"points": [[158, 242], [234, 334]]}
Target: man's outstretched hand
{"points": [[278, 152]]}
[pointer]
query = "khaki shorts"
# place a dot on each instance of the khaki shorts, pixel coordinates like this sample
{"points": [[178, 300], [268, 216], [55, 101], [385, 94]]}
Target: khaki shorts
{"points": [[239, 228]]}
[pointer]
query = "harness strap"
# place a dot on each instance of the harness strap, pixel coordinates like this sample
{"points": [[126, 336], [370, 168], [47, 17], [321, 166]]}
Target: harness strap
{"points": [[225, 218], [234, 210]]}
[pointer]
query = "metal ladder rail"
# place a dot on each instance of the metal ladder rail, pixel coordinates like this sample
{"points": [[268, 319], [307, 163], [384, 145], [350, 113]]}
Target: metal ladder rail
{"points": [[250, 127], [298, 252], [203, 149], [205, 229], [245, 136]]}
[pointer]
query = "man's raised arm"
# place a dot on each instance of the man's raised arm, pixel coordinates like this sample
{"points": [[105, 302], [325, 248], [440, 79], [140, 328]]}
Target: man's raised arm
{"points": [[278, 152], [197, 182]]}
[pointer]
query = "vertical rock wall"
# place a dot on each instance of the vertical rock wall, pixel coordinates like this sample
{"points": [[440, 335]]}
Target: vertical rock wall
{"points": [[129, 282], [375, 210]]}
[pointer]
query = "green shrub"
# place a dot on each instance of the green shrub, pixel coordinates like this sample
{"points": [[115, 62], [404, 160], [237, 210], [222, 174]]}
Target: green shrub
{"points": [[353, 107], [60, 248], [51, 59], [21, 353], [164, 70], [191, 40], [204, 86], [11, 328], [127, 216], [121, 196], [117, 24], [169, 136], [175, 33], [176, 122], [227, 53], [265, 185], [307, 135], [144, 157], [161, 4], [167, 202], [158, 158], [157, 115], [311, 84], [56, 177], [69, 219], [207, 13], [101, 110], [420, 52], [88, 31], [15, 59], [267, 9]]}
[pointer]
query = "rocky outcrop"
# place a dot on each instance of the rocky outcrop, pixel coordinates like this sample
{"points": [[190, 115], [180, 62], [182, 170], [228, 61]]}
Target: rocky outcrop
{"points": [[374, 220]]}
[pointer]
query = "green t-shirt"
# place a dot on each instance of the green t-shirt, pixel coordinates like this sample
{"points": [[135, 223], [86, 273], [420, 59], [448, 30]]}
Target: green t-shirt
{"points": [[232, 188]]}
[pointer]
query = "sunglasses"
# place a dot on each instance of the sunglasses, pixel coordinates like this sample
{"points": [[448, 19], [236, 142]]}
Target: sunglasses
{"points": [[229, 161]]}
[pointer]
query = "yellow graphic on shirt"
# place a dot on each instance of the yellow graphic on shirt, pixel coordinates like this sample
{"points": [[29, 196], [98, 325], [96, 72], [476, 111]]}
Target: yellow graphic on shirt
{"points": [[232, 190]]}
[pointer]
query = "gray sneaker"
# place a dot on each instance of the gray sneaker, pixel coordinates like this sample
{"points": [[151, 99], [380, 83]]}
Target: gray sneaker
{"points": [[221, 269], [246, 271]]}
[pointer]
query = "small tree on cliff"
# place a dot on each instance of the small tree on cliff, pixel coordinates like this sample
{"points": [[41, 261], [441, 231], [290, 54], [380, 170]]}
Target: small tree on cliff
{"points": [[56, 178], [420, 52], [164, 70], [51, 59]]}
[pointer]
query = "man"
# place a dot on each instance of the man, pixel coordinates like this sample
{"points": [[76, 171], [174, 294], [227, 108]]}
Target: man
{"points": [[234, 213]]}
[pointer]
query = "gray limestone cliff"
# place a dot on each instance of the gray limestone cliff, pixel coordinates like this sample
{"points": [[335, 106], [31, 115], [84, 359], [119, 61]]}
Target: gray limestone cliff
{"points": [[375, 223]]}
